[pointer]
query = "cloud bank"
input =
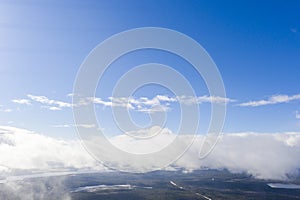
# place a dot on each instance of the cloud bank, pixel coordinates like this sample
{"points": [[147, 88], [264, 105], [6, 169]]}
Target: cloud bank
{"points": [[24, 150], [263, 155]]}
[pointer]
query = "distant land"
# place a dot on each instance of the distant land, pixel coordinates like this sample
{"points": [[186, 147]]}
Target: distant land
{"points": [[159, 185]]}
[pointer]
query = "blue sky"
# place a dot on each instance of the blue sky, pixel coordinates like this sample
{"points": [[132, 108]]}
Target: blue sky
{"points": [[256, 46]]}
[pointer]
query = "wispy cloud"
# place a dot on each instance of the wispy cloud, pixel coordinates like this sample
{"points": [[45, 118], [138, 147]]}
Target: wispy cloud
{"points": [[297, 115], [159, 103], [203, 99], [53, 108], [70, 95], [47, 103], [155, 109], [22, 101], [275, 99], [50, 103], [7, 110], [142, 104], [74, 125], [3, 109], [294, 30]]}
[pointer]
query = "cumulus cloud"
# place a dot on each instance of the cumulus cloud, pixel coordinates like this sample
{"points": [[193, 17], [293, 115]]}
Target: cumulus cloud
{"points": [[159, 103], [50, 103], [275, 99], [74, 125], [22, 101]]}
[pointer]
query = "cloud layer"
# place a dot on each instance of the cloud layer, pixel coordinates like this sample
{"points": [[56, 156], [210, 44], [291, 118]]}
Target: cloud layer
{"points": [[24, 150], [268, 156], [159, 103]]}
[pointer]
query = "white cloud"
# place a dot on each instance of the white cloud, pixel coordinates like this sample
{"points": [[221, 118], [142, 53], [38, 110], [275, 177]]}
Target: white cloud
{"points": [[22, 101], [63, 126], [297, 115], [214, 99], [275, 99], [159, 103], [142, 104], [74, 125], [263, 155], [203, 99], [144, 141], [154, 109], [269, 156], [45, 188], [7, 110], [3, 109], [25, 150], [166, 98], [52, 108], [51, 104], [70, 95]]}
